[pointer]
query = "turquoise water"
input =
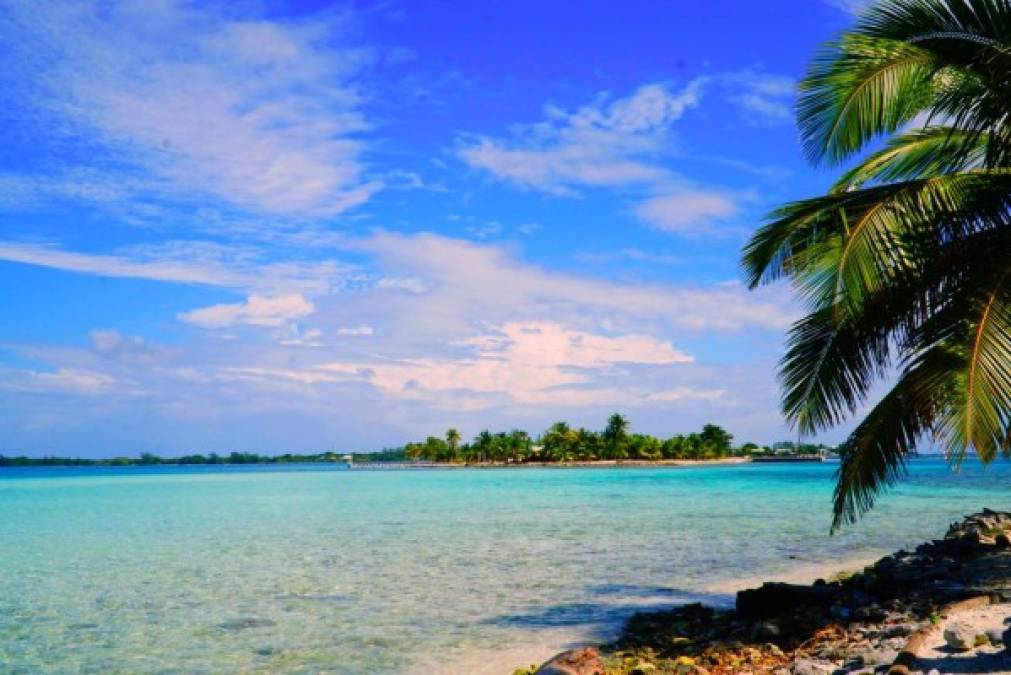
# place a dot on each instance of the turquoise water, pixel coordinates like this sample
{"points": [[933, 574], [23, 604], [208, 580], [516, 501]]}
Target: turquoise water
{"points": [[312, 569]]}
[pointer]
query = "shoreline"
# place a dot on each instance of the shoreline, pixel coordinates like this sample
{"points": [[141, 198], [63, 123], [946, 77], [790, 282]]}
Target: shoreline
{"points": [[389, 466], [891, 615], [801, 573], [504, 661], [583, 464]]}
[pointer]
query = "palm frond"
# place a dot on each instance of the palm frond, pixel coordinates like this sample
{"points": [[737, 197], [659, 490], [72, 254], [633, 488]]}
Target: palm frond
{"points": [[918, 154], [904, 262], [847, 244], [836, 353], [873, 457], [859, 88], [976, 325], [832, 360]]}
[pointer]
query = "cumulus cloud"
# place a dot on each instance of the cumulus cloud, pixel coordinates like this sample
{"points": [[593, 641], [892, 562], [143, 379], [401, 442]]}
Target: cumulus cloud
{"points": [[463, 279], [607, 143], [475, 329], [686, 211], [259, 113], [255, 311], [520, 362], [627, 144]]}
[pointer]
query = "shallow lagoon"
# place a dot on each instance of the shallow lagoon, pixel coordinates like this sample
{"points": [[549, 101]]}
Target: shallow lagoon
{"points": [[305, 569]]}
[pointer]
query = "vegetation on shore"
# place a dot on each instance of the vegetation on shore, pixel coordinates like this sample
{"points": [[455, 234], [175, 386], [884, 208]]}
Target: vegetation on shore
{"points": [[558, 444], [562, 443], [148, 459]]}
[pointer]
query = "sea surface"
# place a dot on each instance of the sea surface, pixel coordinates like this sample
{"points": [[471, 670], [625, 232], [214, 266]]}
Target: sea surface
{"points": [[321, 569]]}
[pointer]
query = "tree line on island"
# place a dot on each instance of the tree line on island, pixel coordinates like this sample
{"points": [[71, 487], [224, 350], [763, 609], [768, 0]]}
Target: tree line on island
{"points": [[563, 443], [560, 443]]}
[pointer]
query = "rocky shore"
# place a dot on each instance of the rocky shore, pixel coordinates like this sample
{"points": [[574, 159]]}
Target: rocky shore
{"points": [[944, 607]]}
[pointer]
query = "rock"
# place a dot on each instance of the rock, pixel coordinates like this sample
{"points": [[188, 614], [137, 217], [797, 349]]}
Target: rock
{"points": [[877, 657], [772, 599], [840, 612], [767, 630], [995, 636], [774, 650], [981, 529], [872, 613], [1003, 540], [584, 661], [812, 667], [1006, 639], [642, 668], [959, 637], [900, 630]]}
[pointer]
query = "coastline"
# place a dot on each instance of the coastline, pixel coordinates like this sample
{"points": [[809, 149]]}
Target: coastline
{"points": [[940, 608], [586, 464], [801, 573], [504, 661]]}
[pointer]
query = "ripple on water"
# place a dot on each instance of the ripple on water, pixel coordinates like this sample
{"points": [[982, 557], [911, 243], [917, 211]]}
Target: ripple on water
{"points": [[394, 571]]}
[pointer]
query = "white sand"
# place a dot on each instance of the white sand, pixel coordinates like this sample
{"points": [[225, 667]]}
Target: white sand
{"points": [[505, 659], [987, 659], [801, 573]]}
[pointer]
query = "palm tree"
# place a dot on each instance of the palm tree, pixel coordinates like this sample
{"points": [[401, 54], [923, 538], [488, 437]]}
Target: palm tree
{"points": [[483, 442], [453, 438], [903, 264], [616, 436], [558, 442]]}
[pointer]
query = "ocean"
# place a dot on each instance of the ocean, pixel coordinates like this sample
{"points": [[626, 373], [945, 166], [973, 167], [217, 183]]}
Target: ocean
{"points": [[320, 569]]}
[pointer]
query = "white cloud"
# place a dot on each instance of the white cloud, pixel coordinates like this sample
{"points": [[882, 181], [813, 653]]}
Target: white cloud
{"points": [[634, 254], [539, 363], [62, 380], [764, 97], [188, 263], [409, 284], [479, 333], [686, 210], [362, 330], [854, 7], [260, 113], [522, 362], [686, 393], [311, 337], [606, 143], [256, 311], [460, 280]]}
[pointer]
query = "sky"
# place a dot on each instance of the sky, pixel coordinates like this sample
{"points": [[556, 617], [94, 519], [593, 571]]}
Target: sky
{"points": [[303, 226]]}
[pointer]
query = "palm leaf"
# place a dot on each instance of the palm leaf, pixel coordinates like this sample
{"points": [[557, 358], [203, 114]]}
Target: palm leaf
{"points": [[873, 457], [860, 88], [918, 154]]}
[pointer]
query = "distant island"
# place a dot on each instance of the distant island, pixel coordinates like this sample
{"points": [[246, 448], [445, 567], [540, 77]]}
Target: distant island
{"points": [[559, 444]]}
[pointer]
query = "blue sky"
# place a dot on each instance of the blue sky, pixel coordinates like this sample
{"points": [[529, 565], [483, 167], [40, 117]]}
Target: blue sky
{"points": [[307, 225]]}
